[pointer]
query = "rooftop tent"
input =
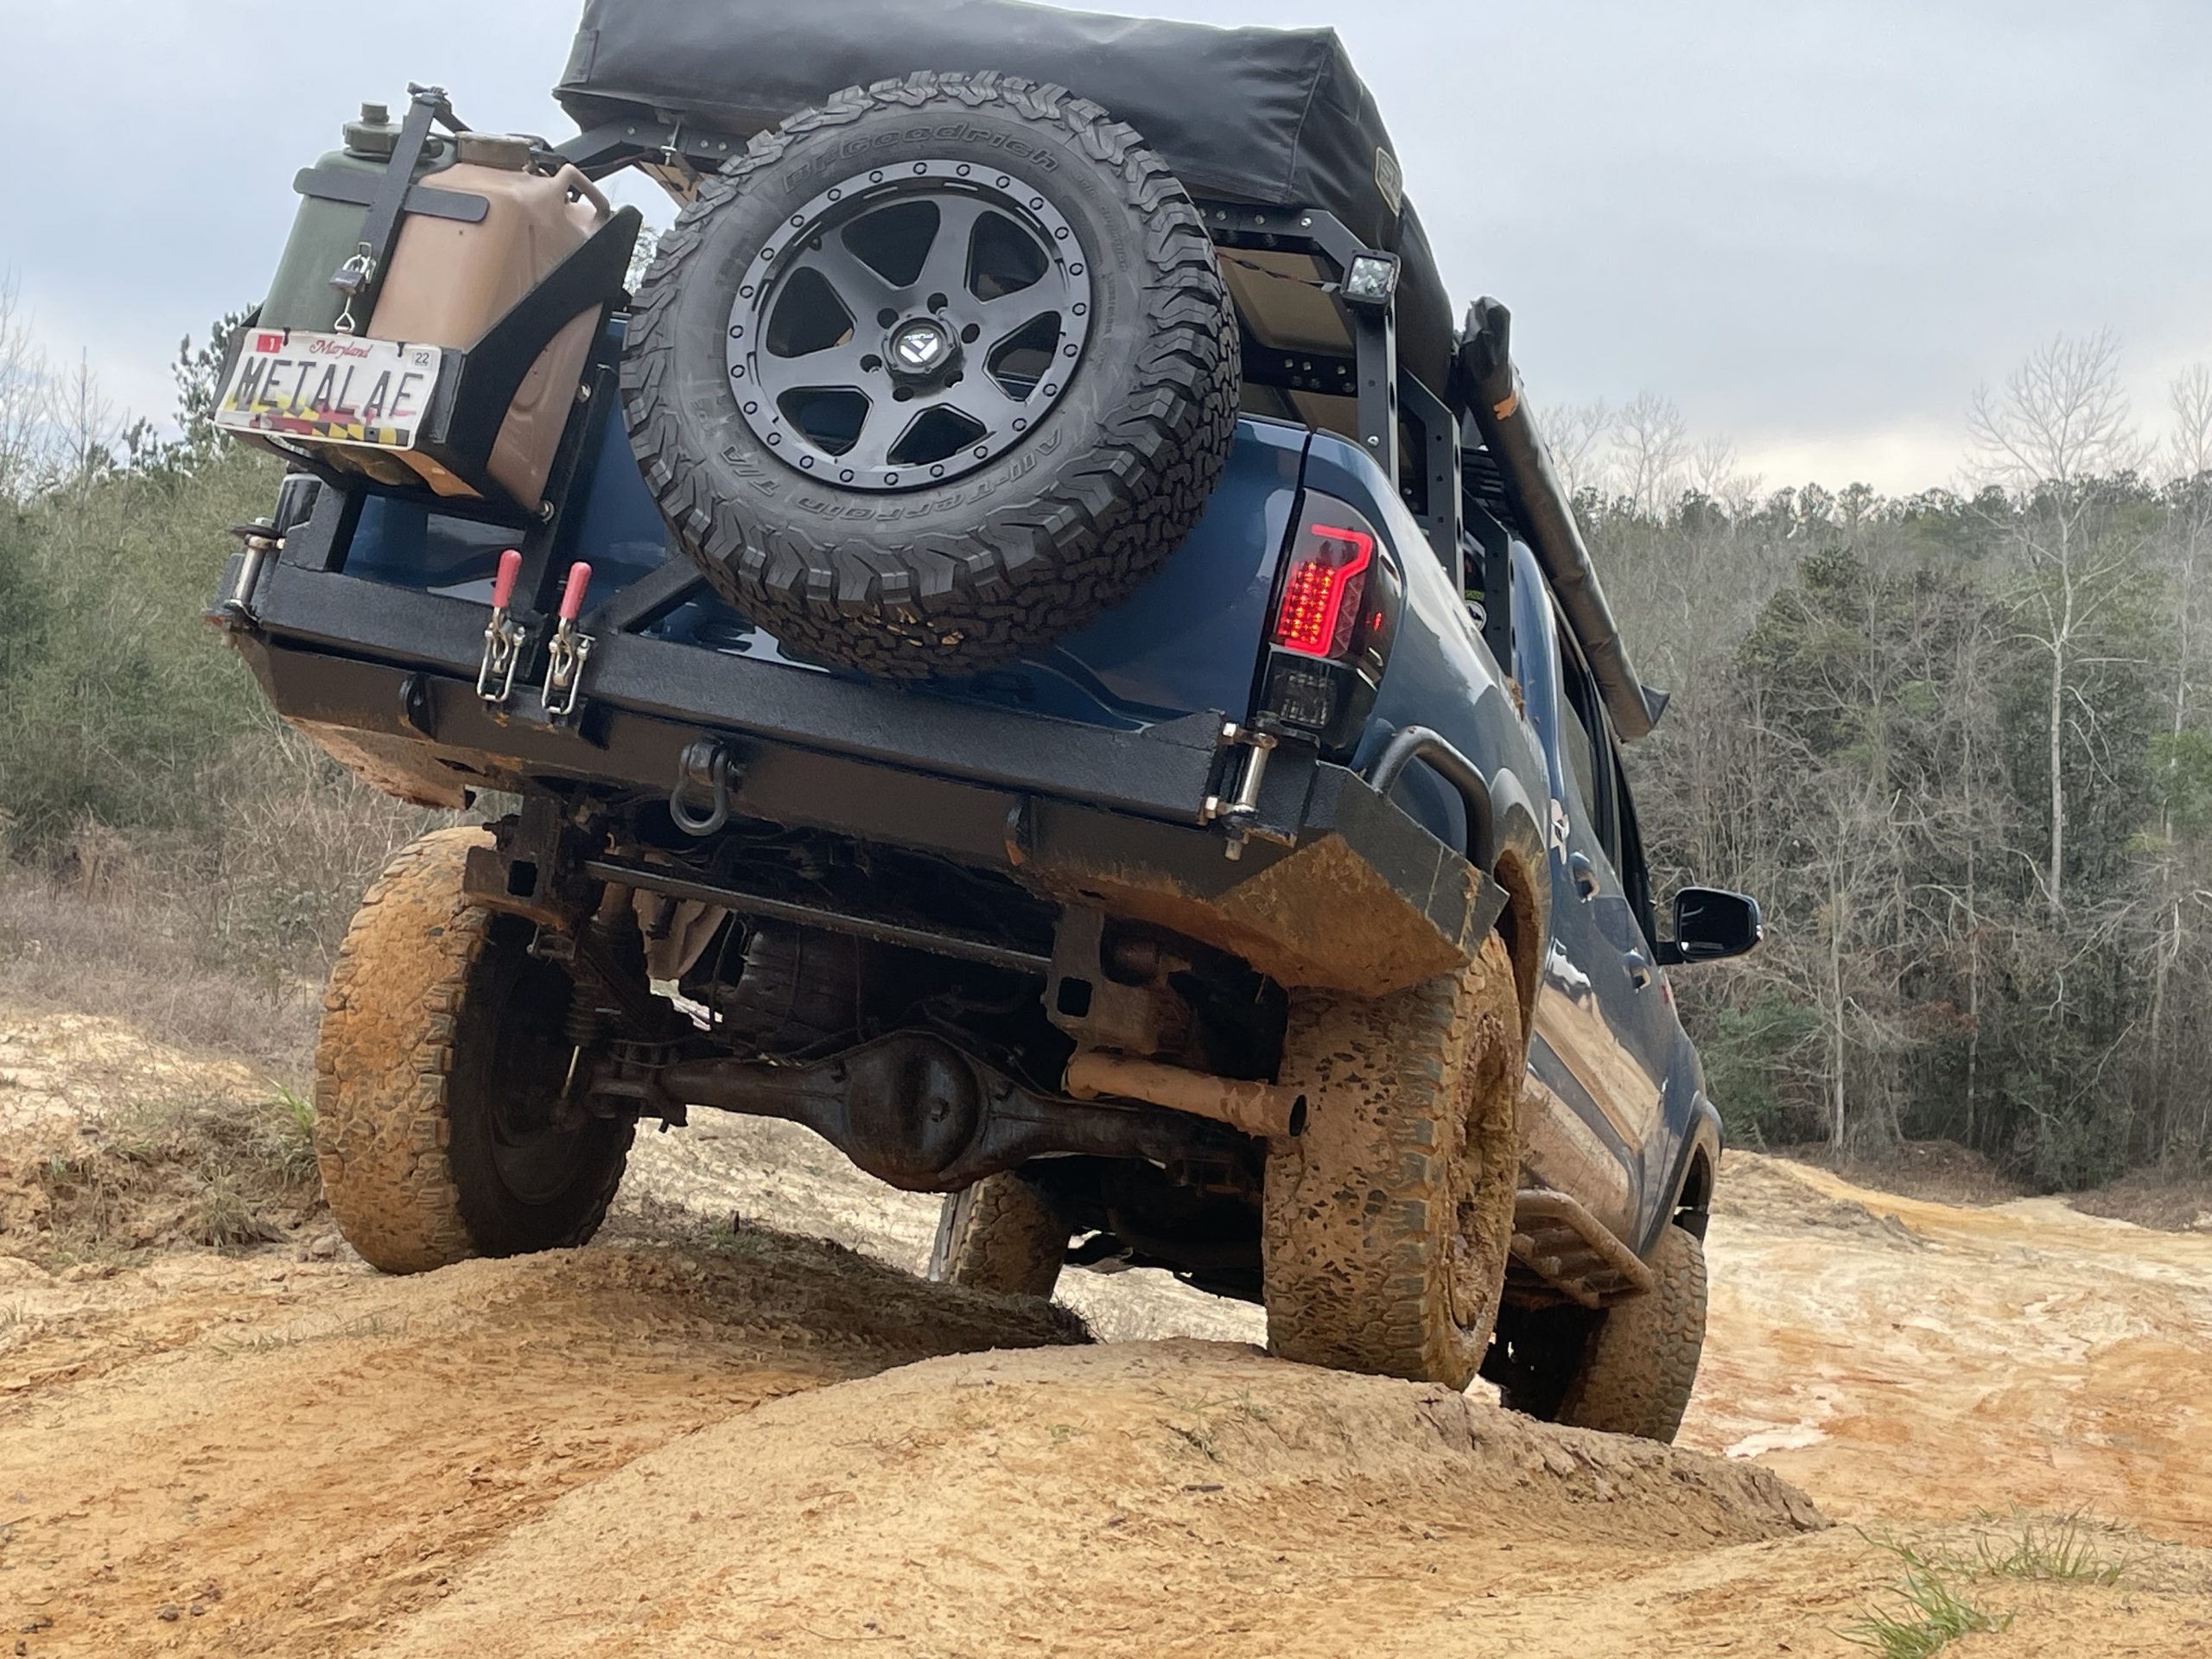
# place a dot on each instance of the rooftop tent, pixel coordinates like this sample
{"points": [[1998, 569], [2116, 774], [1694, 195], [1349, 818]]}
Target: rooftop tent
{"points": [[1273, 118]]}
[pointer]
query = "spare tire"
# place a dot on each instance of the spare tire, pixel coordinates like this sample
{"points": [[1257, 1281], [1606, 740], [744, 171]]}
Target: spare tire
{"points": [[934, 373]]}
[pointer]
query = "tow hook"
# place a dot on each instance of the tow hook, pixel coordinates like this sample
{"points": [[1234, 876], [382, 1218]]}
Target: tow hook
{"points": [[1240, 812], [504, 638], [569, 649]]}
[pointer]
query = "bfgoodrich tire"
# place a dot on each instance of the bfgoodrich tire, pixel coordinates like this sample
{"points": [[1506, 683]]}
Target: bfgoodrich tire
{"points": [[1000, 1235], [934, 373], [1628, 1370], [437, 1077], [1642, 1363], [1386, 1226]]}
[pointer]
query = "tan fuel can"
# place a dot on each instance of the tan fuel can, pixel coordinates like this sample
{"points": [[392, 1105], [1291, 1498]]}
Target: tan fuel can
{"points": [[448, 281]]}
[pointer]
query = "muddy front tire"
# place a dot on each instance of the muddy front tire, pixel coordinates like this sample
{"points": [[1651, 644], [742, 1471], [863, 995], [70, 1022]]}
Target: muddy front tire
{"points": [[1641, 1363], [1628, 1370], [1000, 1235], [1385, 1227], [437, 1077]]}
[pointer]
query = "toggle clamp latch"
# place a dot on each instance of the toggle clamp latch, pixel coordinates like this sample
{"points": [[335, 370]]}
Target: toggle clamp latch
{"points": [[505, 640], [569, 649]]}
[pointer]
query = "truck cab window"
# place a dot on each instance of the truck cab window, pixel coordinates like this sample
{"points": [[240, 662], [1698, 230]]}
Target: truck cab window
{"points": [[1635, 874], [1587, 740]]}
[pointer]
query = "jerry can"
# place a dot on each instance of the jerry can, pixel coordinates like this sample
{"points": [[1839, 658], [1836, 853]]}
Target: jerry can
{"points": [[325, 234], [448, 281]]}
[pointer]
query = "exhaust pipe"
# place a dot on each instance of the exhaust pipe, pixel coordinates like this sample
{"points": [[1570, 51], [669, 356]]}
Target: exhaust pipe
{"points": [[1260, 1108], [1493, 388]]}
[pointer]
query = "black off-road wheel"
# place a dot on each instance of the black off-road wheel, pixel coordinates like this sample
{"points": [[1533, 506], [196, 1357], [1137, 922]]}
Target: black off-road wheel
{"points": [[934, 373], [1386, 1226], [438, 1079], [1627, 1369], [1000, 1235]]}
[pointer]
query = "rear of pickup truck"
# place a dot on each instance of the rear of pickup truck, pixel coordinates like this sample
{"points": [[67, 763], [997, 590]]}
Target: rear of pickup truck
{"points": [[1136, 766]]}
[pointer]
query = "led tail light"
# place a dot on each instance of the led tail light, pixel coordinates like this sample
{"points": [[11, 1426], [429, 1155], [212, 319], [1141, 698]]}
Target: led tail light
{"points": [[1318, 613], [1336, 615]]}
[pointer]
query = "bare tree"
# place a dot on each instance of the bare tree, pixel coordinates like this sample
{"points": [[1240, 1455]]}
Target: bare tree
{"points": [[84, 426], [1650, 440], [2058, 426], [2186, 533], [2189, 456], [1574, 432], [1712, 468], [23, 394]]}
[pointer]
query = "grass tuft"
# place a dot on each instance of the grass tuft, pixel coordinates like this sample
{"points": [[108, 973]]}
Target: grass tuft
{"points": [[1934, 1616], [288, 1141], [2070, 1549]]}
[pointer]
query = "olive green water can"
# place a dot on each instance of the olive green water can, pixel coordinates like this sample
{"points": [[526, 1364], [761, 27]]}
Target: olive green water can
{"points": [[326, 234]]}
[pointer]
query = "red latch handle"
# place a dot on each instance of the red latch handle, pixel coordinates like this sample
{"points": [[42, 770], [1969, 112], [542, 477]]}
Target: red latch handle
{"points": [[503, 590], [572, 598]]}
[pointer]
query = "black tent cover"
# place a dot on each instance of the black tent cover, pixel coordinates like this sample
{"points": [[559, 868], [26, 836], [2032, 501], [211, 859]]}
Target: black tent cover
{"points": [[1277, 118]]}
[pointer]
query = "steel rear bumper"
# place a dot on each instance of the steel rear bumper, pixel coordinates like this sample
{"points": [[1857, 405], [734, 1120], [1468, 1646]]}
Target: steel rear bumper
{"points": [[1353, 896]]}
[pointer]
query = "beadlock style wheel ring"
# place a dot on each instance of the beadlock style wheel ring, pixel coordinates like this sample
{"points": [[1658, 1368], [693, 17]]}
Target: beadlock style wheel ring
{"points": [[909, 326]]}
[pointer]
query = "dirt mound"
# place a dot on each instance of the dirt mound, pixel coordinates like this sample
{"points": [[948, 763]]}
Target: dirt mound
{"points": [[112, 1146], [692, 1439], [2172, 1202], [1942, 1171], [1775, 1190], [302, 1451], [955, 1506], [61, 1072]]}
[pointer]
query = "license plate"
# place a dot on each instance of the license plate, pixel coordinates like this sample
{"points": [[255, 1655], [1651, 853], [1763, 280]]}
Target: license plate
{"points": [[330, 388]]}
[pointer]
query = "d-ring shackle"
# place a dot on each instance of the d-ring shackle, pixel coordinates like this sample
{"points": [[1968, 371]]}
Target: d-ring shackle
{"points": [[705, 766]]}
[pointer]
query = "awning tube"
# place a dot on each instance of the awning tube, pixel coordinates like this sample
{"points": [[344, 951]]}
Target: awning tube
{"points": [[1509, 431]]}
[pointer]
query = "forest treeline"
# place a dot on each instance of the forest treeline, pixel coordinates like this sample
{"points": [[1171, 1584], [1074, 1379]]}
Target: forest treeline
{"points": [[1959, 743]]}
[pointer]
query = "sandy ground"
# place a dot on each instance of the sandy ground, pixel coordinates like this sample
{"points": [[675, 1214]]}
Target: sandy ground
{"points": [[1905, 1358], [691, 1439]]}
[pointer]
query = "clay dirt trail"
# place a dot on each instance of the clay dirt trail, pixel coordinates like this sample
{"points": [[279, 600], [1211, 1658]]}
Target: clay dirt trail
{"points": [[1903, 1358], [689, 1441]]}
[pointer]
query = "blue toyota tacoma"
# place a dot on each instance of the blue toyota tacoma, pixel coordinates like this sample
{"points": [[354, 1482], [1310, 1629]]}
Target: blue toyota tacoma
{"points": [[1030, 644]]}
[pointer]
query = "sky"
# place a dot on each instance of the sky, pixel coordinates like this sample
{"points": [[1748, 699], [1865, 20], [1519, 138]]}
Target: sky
{"points": [[1817, 226]]}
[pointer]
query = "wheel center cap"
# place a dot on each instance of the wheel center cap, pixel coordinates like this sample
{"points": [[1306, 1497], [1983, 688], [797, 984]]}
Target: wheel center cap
{"points": [[921, 346]]}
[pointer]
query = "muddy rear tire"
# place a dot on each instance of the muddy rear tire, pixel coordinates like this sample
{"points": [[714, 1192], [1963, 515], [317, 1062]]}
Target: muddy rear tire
{"points": [[1641, 1363], [440, 1065], [1386, 1225], [1000, 1235]]}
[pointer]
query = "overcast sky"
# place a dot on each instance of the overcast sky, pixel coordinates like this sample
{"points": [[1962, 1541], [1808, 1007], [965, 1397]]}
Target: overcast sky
{"points": [[1816, 225]]}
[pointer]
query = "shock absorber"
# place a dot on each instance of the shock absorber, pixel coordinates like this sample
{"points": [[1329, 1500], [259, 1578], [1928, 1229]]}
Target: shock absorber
{"points": [[584, 1026], [581, 1028]]}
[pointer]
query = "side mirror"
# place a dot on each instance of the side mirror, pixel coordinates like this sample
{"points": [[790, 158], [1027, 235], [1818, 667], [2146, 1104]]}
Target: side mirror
{"points": [[1712, 924]]}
